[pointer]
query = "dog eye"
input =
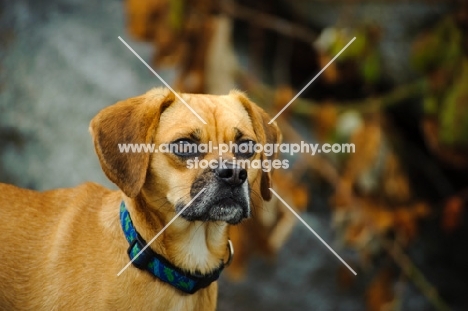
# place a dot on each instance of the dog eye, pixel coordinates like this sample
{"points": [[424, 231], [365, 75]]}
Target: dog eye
{"points": [[184, 148], [245, 149]]}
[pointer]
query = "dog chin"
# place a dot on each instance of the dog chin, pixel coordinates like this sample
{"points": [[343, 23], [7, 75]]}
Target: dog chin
{"points": [[228, 210]]}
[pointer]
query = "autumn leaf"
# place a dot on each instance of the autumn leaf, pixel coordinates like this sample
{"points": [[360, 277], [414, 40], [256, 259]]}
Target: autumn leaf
{"points": [[380, 293], [452, 214]]}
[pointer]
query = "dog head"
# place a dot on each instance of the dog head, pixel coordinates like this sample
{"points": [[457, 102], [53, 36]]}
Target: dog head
{"points": [[186, 158]]}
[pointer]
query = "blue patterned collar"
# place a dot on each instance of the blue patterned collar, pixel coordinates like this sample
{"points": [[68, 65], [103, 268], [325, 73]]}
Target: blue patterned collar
{"points": [[160, 267]]}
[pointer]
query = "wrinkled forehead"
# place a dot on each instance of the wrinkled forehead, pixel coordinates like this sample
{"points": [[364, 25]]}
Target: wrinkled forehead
{"points": [[223, 115]]}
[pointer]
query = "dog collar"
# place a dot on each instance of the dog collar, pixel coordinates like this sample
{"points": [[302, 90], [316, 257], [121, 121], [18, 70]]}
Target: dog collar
{"points": [[159, 266]]}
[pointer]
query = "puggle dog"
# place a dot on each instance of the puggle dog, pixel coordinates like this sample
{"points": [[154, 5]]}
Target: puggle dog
{"points": [[62, 249]]}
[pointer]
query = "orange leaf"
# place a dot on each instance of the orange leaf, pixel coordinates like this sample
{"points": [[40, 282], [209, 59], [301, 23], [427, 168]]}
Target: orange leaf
{"points": [[380, 293], [452, 214]]}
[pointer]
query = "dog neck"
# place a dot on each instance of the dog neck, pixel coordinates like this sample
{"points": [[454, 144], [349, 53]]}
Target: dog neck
{"points": [[193, 246]]}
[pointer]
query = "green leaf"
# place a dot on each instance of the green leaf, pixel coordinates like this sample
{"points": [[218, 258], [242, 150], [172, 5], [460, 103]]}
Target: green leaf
{"points": [[176, 14], [453, 129], [431, 105], [371, 67]]}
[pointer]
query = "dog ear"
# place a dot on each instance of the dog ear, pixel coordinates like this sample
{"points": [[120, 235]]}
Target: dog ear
{"points": [[132, 121], [266, 133]]}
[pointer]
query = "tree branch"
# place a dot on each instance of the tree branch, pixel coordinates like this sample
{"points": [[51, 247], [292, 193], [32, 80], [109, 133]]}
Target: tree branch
{"points": [[268, 21], [309, 107], [414, 274]]}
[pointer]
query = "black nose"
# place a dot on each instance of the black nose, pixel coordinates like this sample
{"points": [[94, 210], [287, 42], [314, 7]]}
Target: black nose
{"points": [[232, 174]]}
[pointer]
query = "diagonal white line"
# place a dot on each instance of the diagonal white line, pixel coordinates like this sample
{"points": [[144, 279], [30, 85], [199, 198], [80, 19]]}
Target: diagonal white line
{"points": [[164, 82], [160, 232], [312, 230], [316, 76]]}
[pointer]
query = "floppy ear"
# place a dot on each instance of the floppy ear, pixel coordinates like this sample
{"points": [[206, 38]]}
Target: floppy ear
{"points": [[132, 121], [266, 133]]}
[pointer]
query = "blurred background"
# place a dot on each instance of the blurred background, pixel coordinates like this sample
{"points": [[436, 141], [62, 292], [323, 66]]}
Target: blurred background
{"points": [[395, 210]]}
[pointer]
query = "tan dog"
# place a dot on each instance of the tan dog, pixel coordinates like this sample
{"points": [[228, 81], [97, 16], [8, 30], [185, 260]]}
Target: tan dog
{"points": [[62, 249]]}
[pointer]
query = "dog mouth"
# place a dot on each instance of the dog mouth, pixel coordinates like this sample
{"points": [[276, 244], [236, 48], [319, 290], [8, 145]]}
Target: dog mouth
{"points": [[229, 209]]}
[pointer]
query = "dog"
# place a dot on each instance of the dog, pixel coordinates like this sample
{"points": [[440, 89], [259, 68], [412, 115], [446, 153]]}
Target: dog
{"points": [[62, 249]]}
